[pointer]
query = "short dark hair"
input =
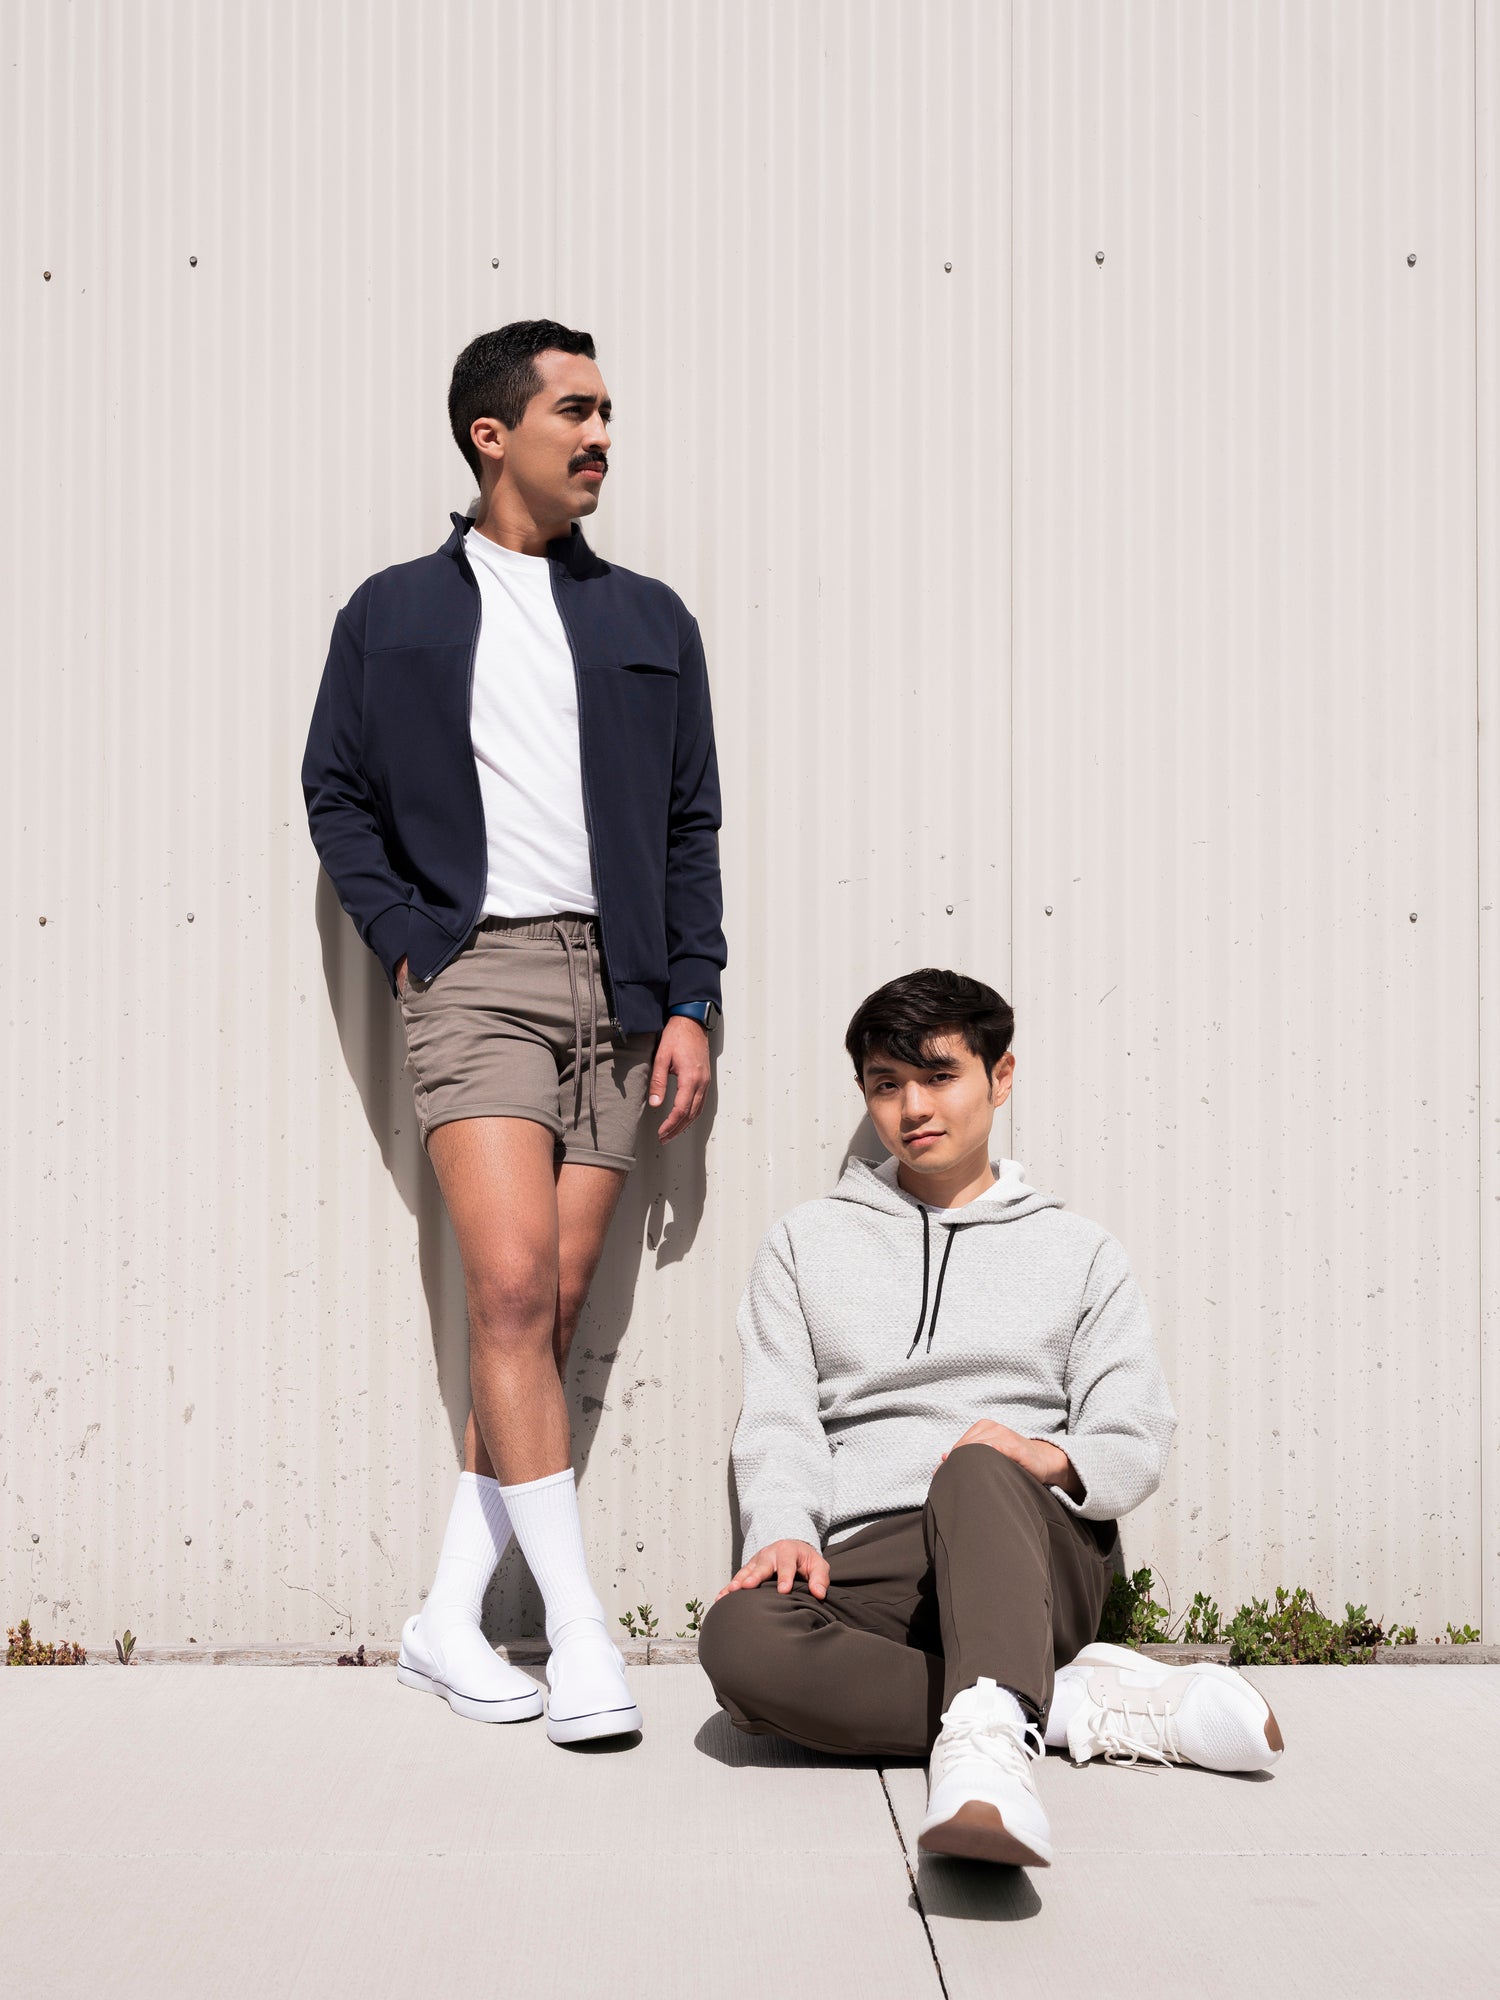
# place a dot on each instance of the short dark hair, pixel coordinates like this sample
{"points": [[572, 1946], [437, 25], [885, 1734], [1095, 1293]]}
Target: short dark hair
{"points": [[496, 376], [903, 1019]]}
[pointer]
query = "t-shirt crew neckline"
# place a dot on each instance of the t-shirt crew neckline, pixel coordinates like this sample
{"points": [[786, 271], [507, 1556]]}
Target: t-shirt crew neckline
{"points": [[499, 557]]}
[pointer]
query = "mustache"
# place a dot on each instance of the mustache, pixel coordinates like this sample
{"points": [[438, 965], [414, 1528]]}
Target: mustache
{"points": [[588, 458]]}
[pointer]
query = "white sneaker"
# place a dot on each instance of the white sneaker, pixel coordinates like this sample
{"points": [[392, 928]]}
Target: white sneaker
{"points": [[589, 1693], [1134, 1708], [981, 1797], [458, 1662]]}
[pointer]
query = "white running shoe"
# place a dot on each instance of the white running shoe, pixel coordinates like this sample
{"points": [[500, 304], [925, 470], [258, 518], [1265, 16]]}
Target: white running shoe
{"points": [[458, 1662], [1134, 1709], [981, 1797], [589, 1693]]}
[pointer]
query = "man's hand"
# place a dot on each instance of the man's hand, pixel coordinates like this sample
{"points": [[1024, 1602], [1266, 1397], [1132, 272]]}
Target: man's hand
{"points": [[401, 975], [1047, 1463], [786, 1561], [682, 1052]]}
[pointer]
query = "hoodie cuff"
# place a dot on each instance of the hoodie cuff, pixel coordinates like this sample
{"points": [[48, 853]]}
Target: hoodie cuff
{"points": [[784, 1529]]}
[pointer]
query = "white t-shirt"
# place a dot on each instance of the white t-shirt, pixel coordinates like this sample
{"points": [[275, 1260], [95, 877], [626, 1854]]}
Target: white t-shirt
{"points": [[524, 725]]}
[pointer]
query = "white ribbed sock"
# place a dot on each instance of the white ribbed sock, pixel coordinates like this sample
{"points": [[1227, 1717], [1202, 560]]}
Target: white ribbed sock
{"points": [[544, 1515], [476, 1537], [1066, 1695]]}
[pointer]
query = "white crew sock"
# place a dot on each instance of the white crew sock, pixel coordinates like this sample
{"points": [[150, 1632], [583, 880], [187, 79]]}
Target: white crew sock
{"points": [[1066, 1696], [476, 1537], [987, 1695], [544, 1515]]}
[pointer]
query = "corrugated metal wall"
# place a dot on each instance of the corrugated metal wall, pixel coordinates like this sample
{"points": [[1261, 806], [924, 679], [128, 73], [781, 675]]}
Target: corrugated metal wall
{"points": [[1108, 629]]}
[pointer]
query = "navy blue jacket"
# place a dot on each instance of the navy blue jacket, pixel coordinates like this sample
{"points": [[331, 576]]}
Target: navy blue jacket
{"points": [[393, 797]]}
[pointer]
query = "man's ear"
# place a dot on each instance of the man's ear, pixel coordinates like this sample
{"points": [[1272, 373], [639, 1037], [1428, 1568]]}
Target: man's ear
{"points": [[488, 436], [1004, 1077]]}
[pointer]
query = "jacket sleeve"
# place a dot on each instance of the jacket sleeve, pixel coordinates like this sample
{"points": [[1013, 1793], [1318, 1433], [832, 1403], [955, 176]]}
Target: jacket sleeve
{"points": [[1120, 1417], [783, 1468], [695, 902], [341, 813]]}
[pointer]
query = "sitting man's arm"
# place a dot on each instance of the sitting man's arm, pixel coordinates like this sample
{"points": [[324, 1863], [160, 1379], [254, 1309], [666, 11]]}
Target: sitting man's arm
{"points": [[1120, 1418], [1046, 1462], [783, 1468]]}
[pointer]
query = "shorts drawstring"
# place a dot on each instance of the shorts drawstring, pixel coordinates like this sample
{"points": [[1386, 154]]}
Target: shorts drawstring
{"points": [[565, 938]]}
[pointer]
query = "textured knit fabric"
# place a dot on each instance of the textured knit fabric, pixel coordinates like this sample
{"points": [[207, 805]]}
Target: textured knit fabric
{"points": [[544, 1515], [874, 1332], [990, 1578], [476, 1537]]}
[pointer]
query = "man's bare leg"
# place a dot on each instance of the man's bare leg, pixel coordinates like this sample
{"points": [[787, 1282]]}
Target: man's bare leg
{"points": [[530, 1242], [587, 1197]]}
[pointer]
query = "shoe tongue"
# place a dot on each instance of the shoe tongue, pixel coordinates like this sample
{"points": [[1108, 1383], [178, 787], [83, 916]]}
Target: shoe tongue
{"points": [[982, 1703]]}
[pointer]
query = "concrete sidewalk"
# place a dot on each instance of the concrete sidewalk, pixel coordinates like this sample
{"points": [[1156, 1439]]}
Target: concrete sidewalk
{"points": [[312, 1831]]}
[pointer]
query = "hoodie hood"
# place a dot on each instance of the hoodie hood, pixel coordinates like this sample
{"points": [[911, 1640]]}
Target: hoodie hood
{"points": [[873, 1186], [1007, 1201]]}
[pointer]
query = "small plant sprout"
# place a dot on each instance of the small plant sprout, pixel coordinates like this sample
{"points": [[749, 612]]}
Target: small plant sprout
{"points": [[1462, 1635], [22, 1650], [694, 1625], [640, 1623], [125, 1647], [1204, 1625], [1132, 1616]]}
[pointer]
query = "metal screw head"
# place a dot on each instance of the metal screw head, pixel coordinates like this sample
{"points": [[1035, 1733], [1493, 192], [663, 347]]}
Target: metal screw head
{"points": [[1098, 256], [639, 1546], [1414, 916], [187, 1541], [947, 267], [190, 916], [1411, 257], [494, 263], [949, 908], [41, 920], [36, 1538], [1048, 910], [47, 276], [194, 262]]}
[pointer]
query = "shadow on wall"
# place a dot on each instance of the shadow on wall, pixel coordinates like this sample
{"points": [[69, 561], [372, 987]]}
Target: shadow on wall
{"points": [[659, 1211]]}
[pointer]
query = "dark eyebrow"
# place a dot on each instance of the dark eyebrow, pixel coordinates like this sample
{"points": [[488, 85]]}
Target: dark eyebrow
{"points": [[606, 408]]}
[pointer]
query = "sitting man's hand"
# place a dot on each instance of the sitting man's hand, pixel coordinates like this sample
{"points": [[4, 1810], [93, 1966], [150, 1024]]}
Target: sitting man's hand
{"points": [[786, 1561], [1047, 1463]]}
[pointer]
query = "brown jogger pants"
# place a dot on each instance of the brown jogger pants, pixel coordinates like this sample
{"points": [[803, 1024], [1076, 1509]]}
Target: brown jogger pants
{"points": [[992, 1577]]}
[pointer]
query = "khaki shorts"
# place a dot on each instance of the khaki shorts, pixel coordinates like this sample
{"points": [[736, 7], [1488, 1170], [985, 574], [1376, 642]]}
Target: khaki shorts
{"points": [[503, 1032]]}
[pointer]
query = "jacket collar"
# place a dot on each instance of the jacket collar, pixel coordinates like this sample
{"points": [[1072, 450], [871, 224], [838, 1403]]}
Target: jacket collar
{"points": [[571, 550]]}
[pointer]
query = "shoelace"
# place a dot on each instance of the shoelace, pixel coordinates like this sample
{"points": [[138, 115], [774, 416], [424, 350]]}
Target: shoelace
{"points": [[1127, 1735], [999, 1741]]}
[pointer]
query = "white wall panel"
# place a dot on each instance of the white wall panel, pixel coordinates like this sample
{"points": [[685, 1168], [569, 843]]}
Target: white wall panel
{"points": [[1237, 746], [1487, 462], [235, 1311], [1245, 889]]}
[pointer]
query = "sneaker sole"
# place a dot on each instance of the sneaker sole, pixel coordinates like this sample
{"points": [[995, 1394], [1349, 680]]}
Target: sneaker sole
{"points": [[518, 1708], [976, 1832], [584, 1728], [1121, 1656]]}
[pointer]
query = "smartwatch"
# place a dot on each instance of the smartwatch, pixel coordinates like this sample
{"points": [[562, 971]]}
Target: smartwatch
{"points": [[704, 1012]]}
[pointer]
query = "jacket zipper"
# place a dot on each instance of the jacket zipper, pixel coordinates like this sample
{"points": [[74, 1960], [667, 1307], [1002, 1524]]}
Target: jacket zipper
{"points": [[588, 815]]}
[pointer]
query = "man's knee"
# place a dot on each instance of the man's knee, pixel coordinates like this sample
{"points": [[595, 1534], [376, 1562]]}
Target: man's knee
{"points": [[737, 1644], [971, 1465], [512, 1305]]}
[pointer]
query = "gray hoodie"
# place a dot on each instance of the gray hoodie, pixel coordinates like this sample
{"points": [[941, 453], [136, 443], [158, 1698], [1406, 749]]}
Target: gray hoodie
{"points": [[876, 1330]]}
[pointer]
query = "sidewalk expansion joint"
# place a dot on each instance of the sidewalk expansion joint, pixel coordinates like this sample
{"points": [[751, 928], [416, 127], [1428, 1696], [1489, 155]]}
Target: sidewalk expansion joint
{"points": [[916, 1894]]}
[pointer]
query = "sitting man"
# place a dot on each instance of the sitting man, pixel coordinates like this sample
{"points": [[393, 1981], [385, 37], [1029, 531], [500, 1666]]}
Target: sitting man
{"points": [[951, 1394]]}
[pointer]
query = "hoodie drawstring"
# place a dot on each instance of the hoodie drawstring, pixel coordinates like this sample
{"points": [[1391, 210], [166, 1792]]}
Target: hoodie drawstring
{"points": [[953, 1229]]}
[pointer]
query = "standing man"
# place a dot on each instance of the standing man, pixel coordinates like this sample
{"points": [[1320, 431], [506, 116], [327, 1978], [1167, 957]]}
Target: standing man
{"points": [[511, 781]]}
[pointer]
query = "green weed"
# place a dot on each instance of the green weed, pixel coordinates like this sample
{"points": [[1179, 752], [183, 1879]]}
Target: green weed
{"points": [[22, 1650], [640, 1623]]}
